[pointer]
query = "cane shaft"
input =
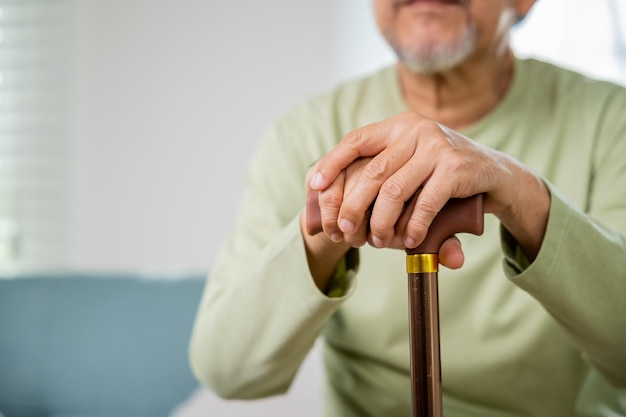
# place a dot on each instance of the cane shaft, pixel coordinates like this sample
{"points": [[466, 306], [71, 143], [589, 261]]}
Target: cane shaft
{"points": [[457, 216], [424, 341]]}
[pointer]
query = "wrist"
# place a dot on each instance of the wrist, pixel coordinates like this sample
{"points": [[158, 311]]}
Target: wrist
{"points": [[323, 255], [526, 217]]}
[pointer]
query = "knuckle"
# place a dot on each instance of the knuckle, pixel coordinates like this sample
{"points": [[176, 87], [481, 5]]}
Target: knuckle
{"points": [[428, 127], [426, 206], [329, 223], [487, 175], [327, 199], [453, 169], [417, 223], [417, 228], [376, 170], [392, 189], [329, 226], [352, 139]]}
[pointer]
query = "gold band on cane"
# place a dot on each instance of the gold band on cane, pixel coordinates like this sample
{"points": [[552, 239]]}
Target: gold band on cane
{"points": [[419, 263]]}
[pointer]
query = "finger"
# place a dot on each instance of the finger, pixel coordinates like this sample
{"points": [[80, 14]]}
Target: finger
{"points": [[451, 253], [392, 177], [309, 175], [330, 202], [379, 176], [364, 142], [435, 192], [400, 227], [360, 237], [313, 221], [396, 200]]}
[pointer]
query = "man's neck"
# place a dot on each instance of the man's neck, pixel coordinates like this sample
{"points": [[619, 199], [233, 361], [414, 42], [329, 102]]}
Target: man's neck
{"points": [[461, 96]]}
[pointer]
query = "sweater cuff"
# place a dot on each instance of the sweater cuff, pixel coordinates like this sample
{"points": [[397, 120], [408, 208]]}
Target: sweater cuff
{"points": [[342, 280]]}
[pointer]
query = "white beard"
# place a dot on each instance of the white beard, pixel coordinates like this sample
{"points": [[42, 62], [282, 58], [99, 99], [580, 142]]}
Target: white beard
{"points": [[436, 57]]}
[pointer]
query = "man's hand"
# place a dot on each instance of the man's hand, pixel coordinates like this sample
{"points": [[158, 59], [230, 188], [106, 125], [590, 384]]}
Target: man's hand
{"points": [[332, 197], [450, 253], [409, 154]]}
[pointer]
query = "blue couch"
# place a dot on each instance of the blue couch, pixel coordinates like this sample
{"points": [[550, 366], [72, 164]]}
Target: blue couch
{"points": [[95, 345]]}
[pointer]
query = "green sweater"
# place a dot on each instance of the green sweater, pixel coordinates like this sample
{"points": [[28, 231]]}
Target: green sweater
{"points": [[517, 339]]}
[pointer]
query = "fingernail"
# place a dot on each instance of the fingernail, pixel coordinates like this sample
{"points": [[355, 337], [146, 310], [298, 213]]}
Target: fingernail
{"points": [[410, 243], [316, 181], [346, 226], [336, 237], [378, 242]]}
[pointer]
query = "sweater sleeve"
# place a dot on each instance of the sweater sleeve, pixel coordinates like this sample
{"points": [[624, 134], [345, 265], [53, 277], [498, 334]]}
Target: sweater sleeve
{"points": [[261, 311], [579, 275]]}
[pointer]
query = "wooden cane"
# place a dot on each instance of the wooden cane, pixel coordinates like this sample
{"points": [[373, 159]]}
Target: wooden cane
{"points": [[422, 264]]}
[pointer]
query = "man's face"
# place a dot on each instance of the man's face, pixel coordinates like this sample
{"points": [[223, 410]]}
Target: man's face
{"points": [[434, 35]]}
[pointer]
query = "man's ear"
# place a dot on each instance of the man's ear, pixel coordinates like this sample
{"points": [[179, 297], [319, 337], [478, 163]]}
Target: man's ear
{"points": [[522, 7]]}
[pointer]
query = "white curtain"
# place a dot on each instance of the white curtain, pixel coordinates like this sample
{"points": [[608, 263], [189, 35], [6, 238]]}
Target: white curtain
{"points": [[33, 132]]}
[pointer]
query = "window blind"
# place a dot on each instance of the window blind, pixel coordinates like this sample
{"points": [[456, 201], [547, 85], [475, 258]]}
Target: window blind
{"points": [[34, 52]]}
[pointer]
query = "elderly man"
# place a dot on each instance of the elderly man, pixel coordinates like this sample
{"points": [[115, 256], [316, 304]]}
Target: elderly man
{"points": [[533, 323]]}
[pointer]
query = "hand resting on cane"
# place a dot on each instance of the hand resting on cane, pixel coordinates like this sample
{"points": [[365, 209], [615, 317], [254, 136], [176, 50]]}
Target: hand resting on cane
{"points": [[408, 154], [325, 249]]}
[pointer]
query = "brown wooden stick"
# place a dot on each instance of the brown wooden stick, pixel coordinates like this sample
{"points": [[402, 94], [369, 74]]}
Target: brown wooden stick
{"points": [[457, 216], [424, 345]]}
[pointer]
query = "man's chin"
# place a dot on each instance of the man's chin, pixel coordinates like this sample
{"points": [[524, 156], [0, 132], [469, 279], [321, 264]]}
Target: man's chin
{"points": [[441, 2], [428, 67], [439, 58]]}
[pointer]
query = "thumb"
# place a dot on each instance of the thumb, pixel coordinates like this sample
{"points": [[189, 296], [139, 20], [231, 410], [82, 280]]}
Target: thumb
{"points": [[451, 254]]}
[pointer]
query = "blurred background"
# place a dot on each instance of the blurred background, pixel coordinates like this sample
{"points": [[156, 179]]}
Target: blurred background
{"points": [[125, 131], [126, 126]]}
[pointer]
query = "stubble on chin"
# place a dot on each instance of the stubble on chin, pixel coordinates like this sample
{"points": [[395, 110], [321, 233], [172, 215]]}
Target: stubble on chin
{"points": [[429, 56]]}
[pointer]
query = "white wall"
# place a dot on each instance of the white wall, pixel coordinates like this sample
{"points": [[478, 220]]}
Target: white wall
{"points": [[170, 100], [587, 36]]}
